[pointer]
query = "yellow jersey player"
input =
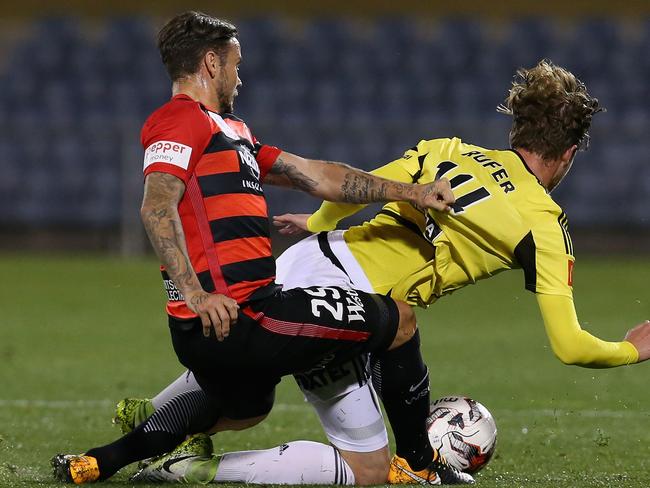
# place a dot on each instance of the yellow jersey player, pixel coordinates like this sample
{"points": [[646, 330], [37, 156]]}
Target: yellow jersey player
{"points": [[504, 218]]}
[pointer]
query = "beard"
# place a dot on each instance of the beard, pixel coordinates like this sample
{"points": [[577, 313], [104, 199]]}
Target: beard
{"points": [[227, 103]]}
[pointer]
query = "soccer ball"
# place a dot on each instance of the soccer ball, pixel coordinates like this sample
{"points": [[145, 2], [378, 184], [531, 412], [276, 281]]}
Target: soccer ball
{"points": [[463, 431]]}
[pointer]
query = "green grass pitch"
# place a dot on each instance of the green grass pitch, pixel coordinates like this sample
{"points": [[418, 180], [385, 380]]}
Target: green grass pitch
{"points": [[78, 334]]}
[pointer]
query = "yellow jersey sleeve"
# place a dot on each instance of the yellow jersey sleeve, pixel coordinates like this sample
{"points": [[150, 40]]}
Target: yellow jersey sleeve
{"points": [[573, 345], [553, 257], [405, 169]]}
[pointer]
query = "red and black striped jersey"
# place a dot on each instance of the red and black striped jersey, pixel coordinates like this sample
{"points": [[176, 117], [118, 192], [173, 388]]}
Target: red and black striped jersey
{"points": [[223, 210]]}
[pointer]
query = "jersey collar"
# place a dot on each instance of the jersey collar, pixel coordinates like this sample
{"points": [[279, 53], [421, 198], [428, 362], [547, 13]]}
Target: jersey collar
{"points": [[523, 161]]}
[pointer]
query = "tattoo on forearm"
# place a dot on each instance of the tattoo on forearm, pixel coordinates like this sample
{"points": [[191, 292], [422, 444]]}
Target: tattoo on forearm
{"points": [[164, 228], [364, 188], [298, 180]]}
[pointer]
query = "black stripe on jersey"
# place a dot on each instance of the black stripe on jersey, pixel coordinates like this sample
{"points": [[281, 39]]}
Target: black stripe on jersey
{"points": [[564, 225], [459, 180], [357, 371], [336, 466], [226, 183], [251, 270], [418, 173], [525, 254], [205, 278], [470, 199], [364, 364], [221, 142], [445, 167], [375, 374], [412, 226], [240, 227], [326, 249], [375, 400], [566, 242]]}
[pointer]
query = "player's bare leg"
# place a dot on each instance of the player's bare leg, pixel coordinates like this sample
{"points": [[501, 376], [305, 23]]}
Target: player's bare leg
{"points": [[369, 468]]}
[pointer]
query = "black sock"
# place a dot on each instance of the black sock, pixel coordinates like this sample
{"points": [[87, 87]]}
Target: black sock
{"points": [[402, 381], [190, 412]]}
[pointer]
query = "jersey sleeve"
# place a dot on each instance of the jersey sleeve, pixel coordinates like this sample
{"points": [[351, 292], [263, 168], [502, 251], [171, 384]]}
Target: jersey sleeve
{"points": [[405, 170], [174, 139], [573, 345], [546, 257], [554, 273], [266, 156]]}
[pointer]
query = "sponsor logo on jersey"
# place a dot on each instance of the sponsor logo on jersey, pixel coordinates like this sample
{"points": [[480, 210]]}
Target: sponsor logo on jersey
{"points": [[251, 185], [173, 293], [251, 163], [168, 152], [355, 306]]}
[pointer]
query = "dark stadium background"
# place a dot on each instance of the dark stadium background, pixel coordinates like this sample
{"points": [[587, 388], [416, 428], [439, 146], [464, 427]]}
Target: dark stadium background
{"points": [[351, 81], [81, 305]]}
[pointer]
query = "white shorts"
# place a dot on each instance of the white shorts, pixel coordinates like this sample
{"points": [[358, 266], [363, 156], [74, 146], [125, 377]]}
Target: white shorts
{"points": [[342, 395]]}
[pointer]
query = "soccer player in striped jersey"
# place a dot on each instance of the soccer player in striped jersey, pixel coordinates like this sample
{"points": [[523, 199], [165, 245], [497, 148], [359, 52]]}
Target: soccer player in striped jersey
{"points": [[504, 218], [206, 216]]}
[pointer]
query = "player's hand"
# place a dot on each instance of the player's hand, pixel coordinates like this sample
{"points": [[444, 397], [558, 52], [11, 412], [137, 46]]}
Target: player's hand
{"points": [[291, 224], [639, 336], [436, 195], [216, 311]]}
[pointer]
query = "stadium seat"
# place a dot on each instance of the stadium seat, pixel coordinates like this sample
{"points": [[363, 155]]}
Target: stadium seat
{"points": [[359, 91]]}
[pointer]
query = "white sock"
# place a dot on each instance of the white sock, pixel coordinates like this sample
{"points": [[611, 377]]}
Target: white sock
{"points": [[183, 383], [294, 463]]}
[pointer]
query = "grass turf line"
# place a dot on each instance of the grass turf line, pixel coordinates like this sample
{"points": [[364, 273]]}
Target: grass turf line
{"points": [[78, 333]]}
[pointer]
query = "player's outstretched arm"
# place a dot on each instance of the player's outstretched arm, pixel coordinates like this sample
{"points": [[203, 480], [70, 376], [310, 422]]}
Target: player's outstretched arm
{"points": [[162, 193], [330, 214], [341, 183], [573, 345]]}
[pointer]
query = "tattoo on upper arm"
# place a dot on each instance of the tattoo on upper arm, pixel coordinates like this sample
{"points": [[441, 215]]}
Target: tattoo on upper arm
{"points": [[296, 179], [163, 225]]}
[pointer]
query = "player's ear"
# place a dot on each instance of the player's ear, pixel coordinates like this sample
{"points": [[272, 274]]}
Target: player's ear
{"points": [[569, 153], [212, 63]]}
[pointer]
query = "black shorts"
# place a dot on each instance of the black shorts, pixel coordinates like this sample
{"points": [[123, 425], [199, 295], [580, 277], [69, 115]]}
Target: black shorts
{"points": [[288, 332]]}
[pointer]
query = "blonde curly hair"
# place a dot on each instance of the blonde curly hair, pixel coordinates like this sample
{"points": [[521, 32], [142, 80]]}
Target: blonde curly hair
{"points": [[551, 110]]}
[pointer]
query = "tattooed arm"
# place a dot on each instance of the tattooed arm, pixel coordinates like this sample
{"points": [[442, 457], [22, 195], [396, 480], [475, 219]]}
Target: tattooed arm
{"points": [[162, 193], [339, 182]]}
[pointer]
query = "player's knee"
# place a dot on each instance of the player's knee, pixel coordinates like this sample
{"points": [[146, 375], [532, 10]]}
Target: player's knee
{"points": [[407, 324]]}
